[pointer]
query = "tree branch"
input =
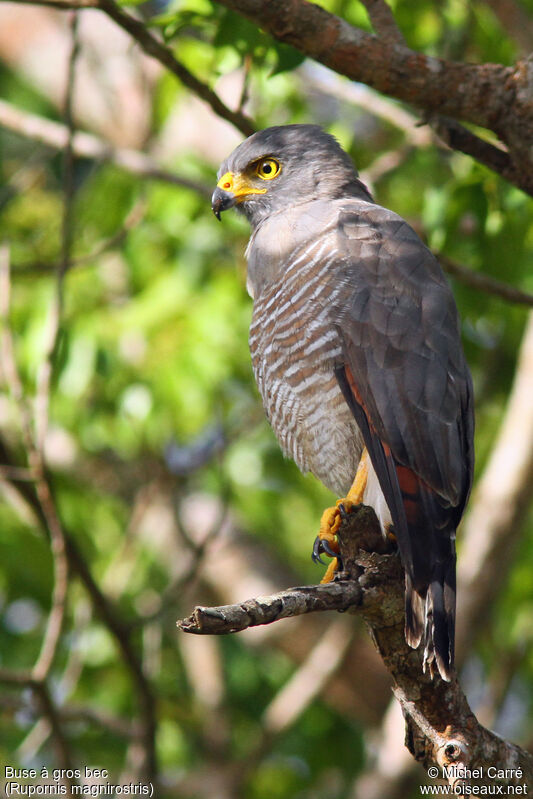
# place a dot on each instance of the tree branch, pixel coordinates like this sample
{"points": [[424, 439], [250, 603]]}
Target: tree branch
{"points": [[440, 727], [490, 95]]}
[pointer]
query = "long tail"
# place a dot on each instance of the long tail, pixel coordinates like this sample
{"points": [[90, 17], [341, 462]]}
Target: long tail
{"points": [[430, 617], [425, 530]]}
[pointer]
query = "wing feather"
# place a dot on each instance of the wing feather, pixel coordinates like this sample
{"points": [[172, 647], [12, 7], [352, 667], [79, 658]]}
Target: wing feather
{"points": [[406, 381]]}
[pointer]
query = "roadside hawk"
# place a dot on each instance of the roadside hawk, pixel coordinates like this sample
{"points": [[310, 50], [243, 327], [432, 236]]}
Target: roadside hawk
{"points": [[356, 352]]}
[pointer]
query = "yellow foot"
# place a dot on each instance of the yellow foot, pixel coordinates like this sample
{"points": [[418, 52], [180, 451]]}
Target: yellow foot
{"points": [[326, 540]]}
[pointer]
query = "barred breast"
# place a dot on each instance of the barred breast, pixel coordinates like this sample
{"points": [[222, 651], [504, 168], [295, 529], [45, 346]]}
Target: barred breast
{"points": [[295, 347]]}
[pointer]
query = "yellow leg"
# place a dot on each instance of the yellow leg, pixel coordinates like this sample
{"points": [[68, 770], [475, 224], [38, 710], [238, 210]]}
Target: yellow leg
{"points": [[331, 518]]}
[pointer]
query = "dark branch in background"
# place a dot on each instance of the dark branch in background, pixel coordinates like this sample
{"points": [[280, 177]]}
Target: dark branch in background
{"points": [[440, 727], [41, 403], [489, 95], [41, 694], [155, 48], [464, 141], [486, 283]]}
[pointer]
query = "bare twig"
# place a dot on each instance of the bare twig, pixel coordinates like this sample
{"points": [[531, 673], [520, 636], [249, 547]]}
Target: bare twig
{"points": [[44, 375], [153, 47], [16, 473], [26, 679], [60, 742], [266, 609], [86, 145]]}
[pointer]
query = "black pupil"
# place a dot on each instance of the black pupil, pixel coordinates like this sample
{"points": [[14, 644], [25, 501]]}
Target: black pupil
{"points": [[267, 169]]}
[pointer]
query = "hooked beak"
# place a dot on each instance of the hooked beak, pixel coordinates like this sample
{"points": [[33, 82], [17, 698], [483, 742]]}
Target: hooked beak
{"points": [[231, 189], [221, 201]]}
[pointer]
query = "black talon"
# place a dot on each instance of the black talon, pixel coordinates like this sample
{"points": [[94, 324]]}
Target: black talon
{"points": [[317, 549], [327, 549], [343, 512], [321, 545]]}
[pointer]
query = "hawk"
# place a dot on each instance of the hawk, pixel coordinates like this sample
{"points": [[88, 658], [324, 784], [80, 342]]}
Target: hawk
{"points": [[357, 355]]}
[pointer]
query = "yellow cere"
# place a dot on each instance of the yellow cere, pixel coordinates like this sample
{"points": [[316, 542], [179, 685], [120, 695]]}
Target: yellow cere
{"points": [[238, 185]]}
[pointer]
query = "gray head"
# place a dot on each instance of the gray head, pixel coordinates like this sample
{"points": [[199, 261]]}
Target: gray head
{"points": [[284, 166]]}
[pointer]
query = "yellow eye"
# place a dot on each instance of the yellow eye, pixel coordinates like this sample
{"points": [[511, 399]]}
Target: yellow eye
{"points": [[268, 168]]}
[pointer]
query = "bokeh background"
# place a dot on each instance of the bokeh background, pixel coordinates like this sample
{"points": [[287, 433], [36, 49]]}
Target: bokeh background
{"points": [[133, 444]]}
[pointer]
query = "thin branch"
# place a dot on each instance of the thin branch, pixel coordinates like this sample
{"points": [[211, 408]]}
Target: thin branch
{"points": [[25, 679], [86, 145], [155, 48], [43, 496], [16, 473], [383, 21], [44, 375], [441, 728], [42, 398], [61, 745], [456, 136], [486, 283]]}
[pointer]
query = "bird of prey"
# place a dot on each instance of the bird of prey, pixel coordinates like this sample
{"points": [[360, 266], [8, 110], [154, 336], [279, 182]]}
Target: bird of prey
{"points": [[357, 355]]}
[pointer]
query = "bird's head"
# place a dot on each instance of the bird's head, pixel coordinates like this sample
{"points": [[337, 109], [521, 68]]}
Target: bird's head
{"points": [[283, 166]]}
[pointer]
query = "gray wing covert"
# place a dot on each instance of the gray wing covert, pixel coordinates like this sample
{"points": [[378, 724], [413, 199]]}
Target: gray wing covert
{"points": [[400, 330]]}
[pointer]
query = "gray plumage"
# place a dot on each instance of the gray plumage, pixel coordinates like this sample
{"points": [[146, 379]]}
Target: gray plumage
{"points": [[355, 342]]}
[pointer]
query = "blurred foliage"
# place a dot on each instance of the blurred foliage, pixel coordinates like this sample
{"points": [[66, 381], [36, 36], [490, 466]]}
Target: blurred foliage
{"points": [[153, 351]]}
